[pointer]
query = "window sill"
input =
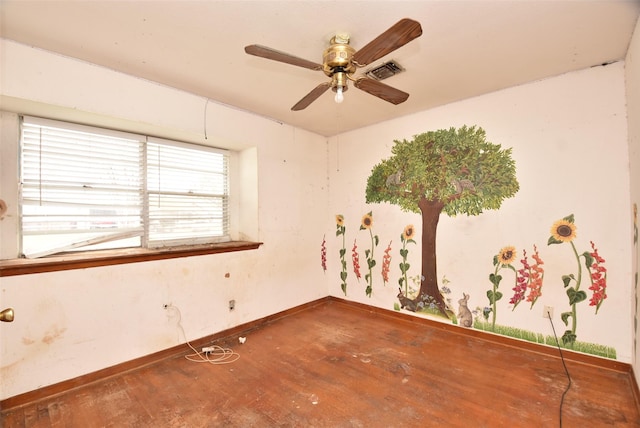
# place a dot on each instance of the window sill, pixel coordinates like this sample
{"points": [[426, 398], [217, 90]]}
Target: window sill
{"points": [[84, 260]]}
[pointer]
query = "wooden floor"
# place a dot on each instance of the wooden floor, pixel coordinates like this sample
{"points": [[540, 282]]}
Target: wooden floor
{"points": [[340, 365]]}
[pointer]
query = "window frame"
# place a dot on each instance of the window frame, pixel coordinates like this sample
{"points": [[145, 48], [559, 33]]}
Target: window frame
{"points": [[226, 218], [143, 161], [241, 165]]}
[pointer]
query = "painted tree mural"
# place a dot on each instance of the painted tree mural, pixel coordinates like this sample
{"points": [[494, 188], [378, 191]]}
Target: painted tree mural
{"points": [[455, 171]]}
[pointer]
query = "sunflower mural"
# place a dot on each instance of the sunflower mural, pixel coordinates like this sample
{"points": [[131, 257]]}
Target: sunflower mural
{"points": [[406, 238], [341, 231], [367, 224], [528, 280], [564, 231], [404, 302], [503, 260]]}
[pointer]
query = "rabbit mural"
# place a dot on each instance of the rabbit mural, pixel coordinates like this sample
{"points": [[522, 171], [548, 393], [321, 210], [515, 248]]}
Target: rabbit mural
{"points": [[406, 302], [465, 318]]}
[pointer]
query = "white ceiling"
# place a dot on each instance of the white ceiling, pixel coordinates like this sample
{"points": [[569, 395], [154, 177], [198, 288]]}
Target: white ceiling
{"points": [[467, 48]]}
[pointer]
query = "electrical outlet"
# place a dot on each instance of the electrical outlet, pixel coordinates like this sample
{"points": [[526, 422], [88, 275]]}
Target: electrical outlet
{"points": [[232, 305], [547, 312], [207, 349]]}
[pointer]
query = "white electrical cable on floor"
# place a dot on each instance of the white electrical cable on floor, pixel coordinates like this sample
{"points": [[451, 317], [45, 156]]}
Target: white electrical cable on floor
{"points": [[217, 355]]}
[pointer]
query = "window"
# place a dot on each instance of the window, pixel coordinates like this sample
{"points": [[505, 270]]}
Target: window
{"points": [[88, 188]]}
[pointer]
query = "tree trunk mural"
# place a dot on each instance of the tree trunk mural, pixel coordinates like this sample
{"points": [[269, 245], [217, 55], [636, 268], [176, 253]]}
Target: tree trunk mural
{"points": [[429, 290]]}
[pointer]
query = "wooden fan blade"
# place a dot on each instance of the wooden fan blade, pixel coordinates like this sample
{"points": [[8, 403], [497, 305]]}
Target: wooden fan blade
{"points": [[382, 91], [401, 33], [311, 96], [268, 53]]}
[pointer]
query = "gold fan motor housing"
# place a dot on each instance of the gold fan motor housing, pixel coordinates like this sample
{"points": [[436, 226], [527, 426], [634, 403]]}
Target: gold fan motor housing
{"points": [[338, 55]]}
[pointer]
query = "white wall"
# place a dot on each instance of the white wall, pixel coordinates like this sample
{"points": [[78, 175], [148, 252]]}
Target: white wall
{"points": [[632, 74], [569, 140], [75, 322]]}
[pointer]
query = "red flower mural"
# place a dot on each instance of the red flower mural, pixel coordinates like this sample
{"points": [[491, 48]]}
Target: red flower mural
{"points": [[598, 279], [535, 280], [355, 258], [323, 254], [386, 264]]}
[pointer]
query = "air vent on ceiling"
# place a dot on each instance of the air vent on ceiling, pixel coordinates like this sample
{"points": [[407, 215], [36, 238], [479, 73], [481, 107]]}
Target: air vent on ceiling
{"points": [[385, 70]]}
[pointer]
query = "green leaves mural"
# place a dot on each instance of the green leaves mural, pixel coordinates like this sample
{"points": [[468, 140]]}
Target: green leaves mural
{"points": [[407, 238], [340, 231], [367, 224], [503, 260]]}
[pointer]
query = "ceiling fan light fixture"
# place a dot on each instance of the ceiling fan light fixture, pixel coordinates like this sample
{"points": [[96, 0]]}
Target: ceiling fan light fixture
{"points": [[339, 96], [339, 86]]}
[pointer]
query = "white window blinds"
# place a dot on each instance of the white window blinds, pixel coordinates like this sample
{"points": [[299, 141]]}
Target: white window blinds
{"points": [[90, 188], [187, 193], [79, 188]]}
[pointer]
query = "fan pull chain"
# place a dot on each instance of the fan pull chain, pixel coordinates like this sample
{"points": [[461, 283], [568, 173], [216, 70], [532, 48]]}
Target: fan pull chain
{"points": [[205, 118]]}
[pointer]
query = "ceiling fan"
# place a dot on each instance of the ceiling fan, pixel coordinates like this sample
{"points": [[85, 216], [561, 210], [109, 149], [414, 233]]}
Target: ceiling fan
{"points": [[340, 61]]}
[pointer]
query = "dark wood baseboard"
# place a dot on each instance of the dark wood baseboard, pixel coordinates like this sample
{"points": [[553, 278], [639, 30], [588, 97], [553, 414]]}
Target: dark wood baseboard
{"points": [[634, 386], [494, 338], [244, 329]]}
